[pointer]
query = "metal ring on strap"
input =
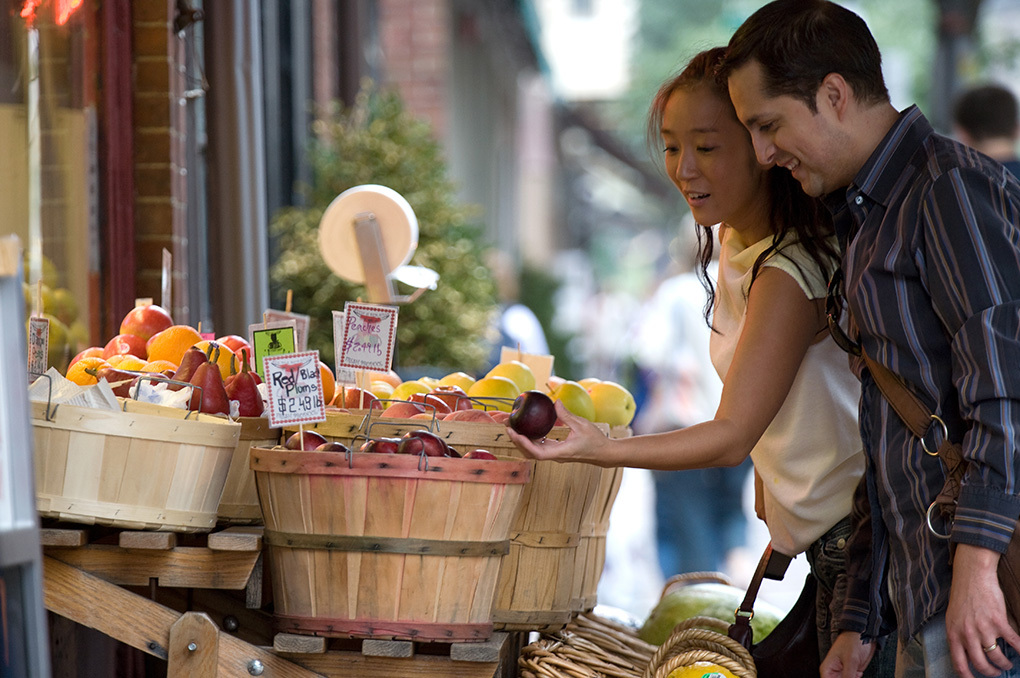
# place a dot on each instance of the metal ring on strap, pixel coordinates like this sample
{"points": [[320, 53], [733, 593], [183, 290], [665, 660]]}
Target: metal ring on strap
{"points": [[931, 525], [945, 435], [421, 547]]}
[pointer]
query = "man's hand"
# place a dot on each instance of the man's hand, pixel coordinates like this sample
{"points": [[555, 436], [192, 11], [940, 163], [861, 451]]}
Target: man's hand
{"points": [[848, 657], [976, 622]]}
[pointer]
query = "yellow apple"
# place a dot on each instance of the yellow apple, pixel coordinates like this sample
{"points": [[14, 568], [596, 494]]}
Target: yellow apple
{"points": [[614, 404], [404, 391], [381, 389], [552, 384], [575, 398], [431, 382], [462, 379], [494, 387], [517, 372], [588, 382]]}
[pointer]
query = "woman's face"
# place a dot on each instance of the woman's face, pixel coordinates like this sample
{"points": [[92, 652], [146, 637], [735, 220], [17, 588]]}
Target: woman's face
{"points": [[709, 157]]}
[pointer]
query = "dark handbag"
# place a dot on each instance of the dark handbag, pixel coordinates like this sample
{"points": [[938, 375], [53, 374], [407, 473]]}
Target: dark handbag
{"points": [[791, 649], [919, 419]]}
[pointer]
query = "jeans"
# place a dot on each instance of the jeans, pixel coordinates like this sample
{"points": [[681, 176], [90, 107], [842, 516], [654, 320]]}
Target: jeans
{"points": [[926, 655], [827, 558]]}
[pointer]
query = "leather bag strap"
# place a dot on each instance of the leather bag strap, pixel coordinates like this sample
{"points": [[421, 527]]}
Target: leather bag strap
{"points": [[773, 566], [912, 411]]}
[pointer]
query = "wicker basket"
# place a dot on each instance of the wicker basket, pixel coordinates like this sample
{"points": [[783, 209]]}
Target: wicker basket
{"points": [[383, 545], [239, 504], [147, 467], [588, 647], [701, 639]]}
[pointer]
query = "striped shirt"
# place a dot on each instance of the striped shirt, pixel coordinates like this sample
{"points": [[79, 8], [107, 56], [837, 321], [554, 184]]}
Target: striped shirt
{"points": [[931, 236]]}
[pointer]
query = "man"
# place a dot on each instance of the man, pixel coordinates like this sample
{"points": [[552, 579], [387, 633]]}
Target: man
{"points": [[930, 232], [985, 117]]}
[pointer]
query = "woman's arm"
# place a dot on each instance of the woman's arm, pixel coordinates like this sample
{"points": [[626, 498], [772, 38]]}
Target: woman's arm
{"points": [[781, 324]]}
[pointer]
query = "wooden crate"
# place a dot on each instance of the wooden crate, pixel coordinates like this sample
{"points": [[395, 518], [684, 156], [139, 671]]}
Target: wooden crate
{"points": [[239, 504], [386, 546], [147, 467]]}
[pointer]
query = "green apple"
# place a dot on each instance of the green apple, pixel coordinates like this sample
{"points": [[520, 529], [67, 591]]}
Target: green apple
{"points": [[575, 398], [494, 387], [517, 372], [614, 404]]}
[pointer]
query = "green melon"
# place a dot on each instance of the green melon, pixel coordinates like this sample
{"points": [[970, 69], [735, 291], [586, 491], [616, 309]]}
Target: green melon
{"points": [[705, 599]]}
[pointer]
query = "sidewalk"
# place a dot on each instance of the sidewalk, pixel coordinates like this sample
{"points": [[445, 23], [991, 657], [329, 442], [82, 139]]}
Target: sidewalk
{"points": [[631, 580]]}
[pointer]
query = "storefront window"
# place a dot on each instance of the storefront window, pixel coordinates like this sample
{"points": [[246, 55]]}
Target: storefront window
{"points": [[48, 175]]}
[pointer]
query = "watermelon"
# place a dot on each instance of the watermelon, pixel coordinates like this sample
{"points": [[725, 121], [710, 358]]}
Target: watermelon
{"points": [[704, 599]]}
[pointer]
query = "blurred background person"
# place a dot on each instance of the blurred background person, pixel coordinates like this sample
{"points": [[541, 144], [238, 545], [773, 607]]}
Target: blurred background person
{"points": [[699, 514], [985, 118]]}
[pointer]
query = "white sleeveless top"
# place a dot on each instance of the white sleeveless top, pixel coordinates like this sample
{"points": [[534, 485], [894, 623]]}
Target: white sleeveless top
{"points": [[810, 458]]}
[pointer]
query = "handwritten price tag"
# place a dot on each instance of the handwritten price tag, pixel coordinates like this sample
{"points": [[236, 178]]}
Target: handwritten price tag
{"points": [[295, 389], [38, 344], [368, 338]]}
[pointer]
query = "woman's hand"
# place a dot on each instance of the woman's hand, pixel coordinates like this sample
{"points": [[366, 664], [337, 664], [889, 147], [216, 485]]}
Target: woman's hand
{"points": [[585, 442]]}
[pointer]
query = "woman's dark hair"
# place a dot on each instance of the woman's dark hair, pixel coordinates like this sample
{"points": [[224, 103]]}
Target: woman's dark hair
{"points": [[799, 42], [790, 209]]}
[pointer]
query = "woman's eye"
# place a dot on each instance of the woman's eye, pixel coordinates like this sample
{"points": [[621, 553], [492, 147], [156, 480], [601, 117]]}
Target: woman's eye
{"points": [[705, 149], [670, 149]]}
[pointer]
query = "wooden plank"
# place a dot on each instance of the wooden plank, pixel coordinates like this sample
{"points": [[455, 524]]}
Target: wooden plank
{"points": [[237, 538], [387, 648], [143, 624], [49, 536], [154, 541], [184, 566], [356, 665], [489, 651], [298, 644], [194, 647]]}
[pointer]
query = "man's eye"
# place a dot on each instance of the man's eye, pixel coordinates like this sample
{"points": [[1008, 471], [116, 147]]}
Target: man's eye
{"points": [[766, 127]]}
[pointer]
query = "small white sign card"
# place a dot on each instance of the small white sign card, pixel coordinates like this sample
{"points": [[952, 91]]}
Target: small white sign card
{"points": [[38, 344], [300, 321], [370, 331], [344, 375], [295, 389]]}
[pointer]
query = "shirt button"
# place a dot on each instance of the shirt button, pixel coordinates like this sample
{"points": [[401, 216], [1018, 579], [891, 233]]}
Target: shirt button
{"points": [[858, 200], [841, 543]]}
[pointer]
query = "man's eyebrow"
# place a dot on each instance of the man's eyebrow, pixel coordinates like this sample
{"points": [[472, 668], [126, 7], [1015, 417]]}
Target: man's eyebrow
{"points": [[752, 121]]}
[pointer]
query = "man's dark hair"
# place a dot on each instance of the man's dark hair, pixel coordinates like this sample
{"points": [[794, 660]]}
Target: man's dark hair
{"points": [[986, 112], [799, 42]]}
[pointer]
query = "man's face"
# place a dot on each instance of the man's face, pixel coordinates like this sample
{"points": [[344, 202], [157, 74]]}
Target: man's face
{"points": [[786, 133]]}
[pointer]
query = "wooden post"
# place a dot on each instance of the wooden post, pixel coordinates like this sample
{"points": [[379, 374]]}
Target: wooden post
{"points": [[194, 647]]}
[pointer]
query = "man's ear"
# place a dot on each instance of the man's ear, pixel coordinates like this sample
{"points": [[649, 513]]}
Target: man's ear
{"points": [[834, 94]]}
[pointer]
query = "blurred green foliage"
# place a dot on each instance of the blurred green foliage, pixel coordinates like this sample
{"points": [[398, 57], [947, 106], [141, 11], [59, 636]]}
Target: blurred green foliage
{"points": [[376, 141]]}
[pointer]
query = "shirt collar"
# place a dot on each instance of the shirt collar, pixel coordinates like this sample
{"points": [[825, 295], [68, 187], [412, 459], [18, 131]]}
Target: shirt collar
{"points": [[878, 177]]}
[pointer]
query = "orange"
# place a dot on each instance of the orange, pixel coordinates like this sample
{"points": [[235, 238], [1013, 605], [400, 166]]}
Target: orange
{"points": [[78, 375], [158, 366], [171, 343], [223, 360], [328, 382], [126, 361]]}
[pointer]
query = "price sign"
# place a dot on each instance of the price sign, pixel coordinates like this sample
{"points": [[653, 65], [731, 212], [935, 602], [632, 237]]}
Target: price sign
{"points": [[300, 321], [38, 344], [368, 338], [268, 339], [295, 389], [344, 375]]}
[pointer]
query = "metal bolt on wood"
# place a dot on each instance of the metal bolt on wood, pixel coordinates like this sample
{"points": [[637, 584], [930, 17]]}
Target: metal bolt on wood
{"points": [[192, 647], [255, 667]]}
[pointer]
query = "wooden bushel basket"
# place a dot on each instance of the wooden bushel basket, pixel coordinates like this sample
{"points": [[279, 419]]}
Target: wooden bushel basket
{"points": [[148, 467], [239, 504], [386, 546]]}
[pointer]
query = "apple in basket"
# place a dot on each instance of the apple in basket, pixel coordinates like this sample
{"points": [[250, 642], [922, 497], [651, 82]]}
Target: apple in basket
{"points": [[455, 397], [418, 441], [332, 446], [480, 454], [304, 440], [380, 445]]}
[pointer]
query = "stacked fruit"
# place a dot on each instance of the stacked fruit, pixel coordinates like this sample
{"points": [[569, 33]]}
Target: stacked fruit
{"points": [[149, 343]]}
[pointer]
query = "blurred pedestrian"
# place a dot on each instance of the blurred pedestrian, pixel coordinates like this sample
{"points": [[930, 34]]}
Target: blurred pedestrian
{"points": [[985, 117]]}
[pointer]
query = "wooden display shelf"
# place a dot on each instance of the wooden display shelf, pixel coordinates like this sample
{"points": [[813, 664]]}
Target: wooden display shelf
{"points": [[194, 601]]}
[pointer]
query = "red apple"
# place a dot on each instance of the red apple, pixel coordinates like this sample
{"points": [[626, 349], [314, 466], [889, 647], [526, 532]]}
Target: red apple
{"points": [[235, 343], [533, 415], [479, 454], [420, 441], [403, 409], [454, 396], [90, 352], [145, 321], [123, 344], [332, 446], [357, 399], [430, 401], [309, 441], [381, 445]]}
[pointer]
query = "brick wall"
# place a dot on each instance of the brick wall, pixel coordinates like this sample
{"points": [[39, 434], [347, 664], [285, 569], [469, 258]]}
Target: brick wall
{"points": [[159, 142], [415, 37]]}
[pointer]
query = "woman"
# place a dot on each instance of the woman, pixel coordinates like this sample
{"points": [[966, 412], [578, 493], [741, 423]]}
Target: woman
{"points": [[788, 399]]}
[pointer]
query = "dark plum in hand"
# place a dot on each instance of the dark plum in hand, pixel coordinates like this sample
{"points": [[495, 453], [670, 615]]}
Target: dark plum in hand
{"points": [[533, 415]]}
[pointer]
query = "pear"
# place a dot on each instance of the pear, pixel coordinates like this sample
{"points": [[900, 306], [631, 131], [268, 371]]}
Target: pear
{"points": [[242, 388], [193, 357], [213, 397]]}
